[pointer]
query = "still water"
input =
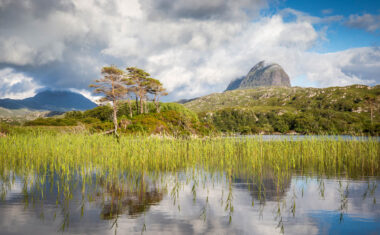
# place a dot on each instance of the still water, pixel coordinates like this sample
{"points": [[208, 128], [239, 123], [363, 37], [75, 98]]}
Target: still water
{"points": [[192, 202]]}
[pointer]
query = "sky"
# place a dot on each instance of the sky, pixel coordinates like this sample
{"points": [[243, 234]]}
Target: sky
{"points": [[193, 47]]}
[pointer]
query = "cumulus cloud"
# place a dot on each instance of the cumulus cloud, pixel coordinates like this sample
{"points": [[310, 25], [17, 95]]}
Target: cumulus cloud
{"points": [[367, 22], [16, 85], [194, 49]]}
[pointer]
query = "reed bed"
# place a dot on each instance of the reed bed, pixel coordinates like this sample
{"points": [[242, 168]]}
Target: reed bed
{"points": [[116, 172], [67, 153]]}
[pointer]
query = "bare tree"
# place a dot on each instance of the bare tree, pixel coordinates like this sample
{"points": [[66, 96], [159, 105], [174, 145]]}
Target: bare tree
{"points": [[113, 89]]}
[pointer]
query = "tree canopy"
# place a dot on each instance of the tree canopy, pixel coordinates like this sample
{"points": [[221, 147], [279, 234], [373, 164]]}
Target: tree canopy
{"points": [[117, 84]]}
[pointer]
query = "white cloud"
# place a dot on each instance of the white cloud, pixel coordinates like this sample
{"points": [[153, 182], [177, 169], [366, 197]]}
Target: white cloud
{"points": [[16, 85], [193, 48], [89, 95]]}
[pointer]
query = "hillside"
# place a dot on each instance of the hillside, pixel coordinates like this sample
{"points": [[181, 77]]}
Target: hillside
{"points": [[50, 101], [284, 109], [10, 115]]}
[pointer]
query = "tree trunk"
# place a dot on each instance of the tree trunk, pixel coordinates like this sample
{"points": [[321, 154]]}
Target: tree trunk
{"points": [[146, 108], [141, 105], [130, 108], [157, 104], [115, 117], [137, 104]]}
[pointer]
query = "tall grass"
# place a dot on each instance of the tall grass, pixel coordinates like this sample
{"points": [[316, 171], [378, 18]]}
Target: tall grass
{"points": [[66, 152], [116, 171]]}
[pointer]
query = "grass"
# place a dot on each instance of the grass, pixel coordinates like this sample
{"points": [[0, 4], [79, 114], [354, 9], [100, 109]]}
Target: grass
{"points": [[133, 173], [69, 153]]}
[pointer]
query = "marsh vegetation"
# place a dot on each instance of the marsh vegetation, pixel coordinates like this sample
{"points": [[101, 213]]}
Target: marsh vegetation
{"points": [[66, 176]]}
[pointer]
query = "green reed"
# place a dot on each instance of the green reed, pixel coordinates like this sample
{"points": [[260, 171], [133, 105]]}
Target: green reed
{"points": [[116, 172], [73, 158], [69, 153]]}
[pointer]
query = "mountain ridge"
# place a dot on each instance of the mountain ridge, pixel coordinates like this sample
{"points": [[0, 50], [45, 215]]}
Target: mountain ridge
{"points": [[50, 100]]}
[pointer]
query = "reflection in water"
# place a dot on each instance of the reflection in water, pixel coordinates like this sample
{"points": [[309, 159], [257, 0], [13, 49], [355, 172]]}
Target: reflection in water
{"points": [[86, 184], [191, 202], [117, 199]]}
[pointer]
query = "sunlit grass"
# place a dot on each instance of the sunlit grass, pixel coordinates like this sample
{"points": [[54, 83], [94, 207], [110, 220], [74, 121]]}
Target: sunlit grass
{"points": [[116, 172], [67, 153]]}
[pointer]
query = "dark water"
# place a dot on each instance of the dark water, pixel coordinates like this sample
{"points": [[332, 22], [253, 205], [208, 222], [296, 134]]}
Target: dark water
{"points": [[193, 204]]}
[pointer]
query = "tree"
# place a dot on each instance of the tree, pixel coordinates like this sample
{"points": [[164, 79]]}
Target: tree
{"points": [[370, 100], [157, 90], [111, 85], [138, 81]]}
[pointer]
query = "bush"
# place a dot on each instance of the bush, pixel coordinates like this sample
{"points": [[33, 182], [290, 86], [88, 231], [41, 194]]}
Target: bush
{"points": [[281, 126], [4, 128], [74, 115], [103, 113], [52, 122]]}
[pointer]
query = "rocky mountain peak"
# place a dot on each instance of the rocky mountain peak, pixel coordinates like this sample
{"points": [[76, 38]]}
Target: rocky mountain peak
{"points": [[262, 74]]}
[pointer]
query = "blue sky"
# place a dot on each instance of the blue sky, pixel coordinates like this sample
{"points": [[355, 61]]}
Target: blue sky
{"points": [[194, 47], [340, 36]]}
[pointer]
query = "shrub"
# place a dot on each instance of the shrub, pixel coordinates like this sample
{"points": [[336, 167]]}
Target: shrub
{"points": [[103, 113]]}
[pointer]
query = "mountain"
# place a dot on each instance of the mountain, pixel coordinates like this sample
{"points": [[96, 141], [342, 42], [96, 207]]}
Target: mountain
{"points": [[235, 84], [262, 74], [51, 101]]}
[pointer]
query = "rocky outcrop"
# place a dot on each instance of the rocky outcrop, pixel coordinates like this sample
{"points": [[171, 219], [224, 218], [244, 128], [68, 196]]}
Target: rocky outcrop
{"points": [[262, 74]]}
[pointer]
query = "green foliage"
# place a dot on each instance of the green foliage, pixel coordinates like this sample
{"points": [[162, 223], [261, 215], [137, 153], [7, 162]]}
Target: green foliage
{"points": [[74, 115], [51, 122], [250, 121], [5, 128], [187, 113], [334, 110], [103, 113], [174, 119], [281, 126]]}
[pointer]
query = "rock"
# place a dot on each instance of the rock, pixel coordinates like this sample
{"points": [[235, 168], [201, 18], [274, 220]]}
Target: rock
{"points": [[262, 74], [235, 84]]}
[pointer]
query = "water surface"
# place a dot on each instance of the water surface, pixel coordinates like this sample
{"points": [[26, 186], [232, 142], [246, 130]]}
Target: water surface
{"points": [[188, 203]]}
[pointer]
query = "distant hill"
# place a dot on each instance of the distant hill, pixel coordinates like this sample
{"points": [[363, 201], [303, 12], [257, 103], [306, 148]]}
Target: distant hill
{"points": [[262, 74], [343, 110], [49, 100], [350, 98]]}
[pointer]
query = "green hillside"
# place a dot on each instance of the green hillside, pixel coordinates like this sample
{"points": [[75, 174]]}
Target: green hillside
{"points": [[333, 110]]}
